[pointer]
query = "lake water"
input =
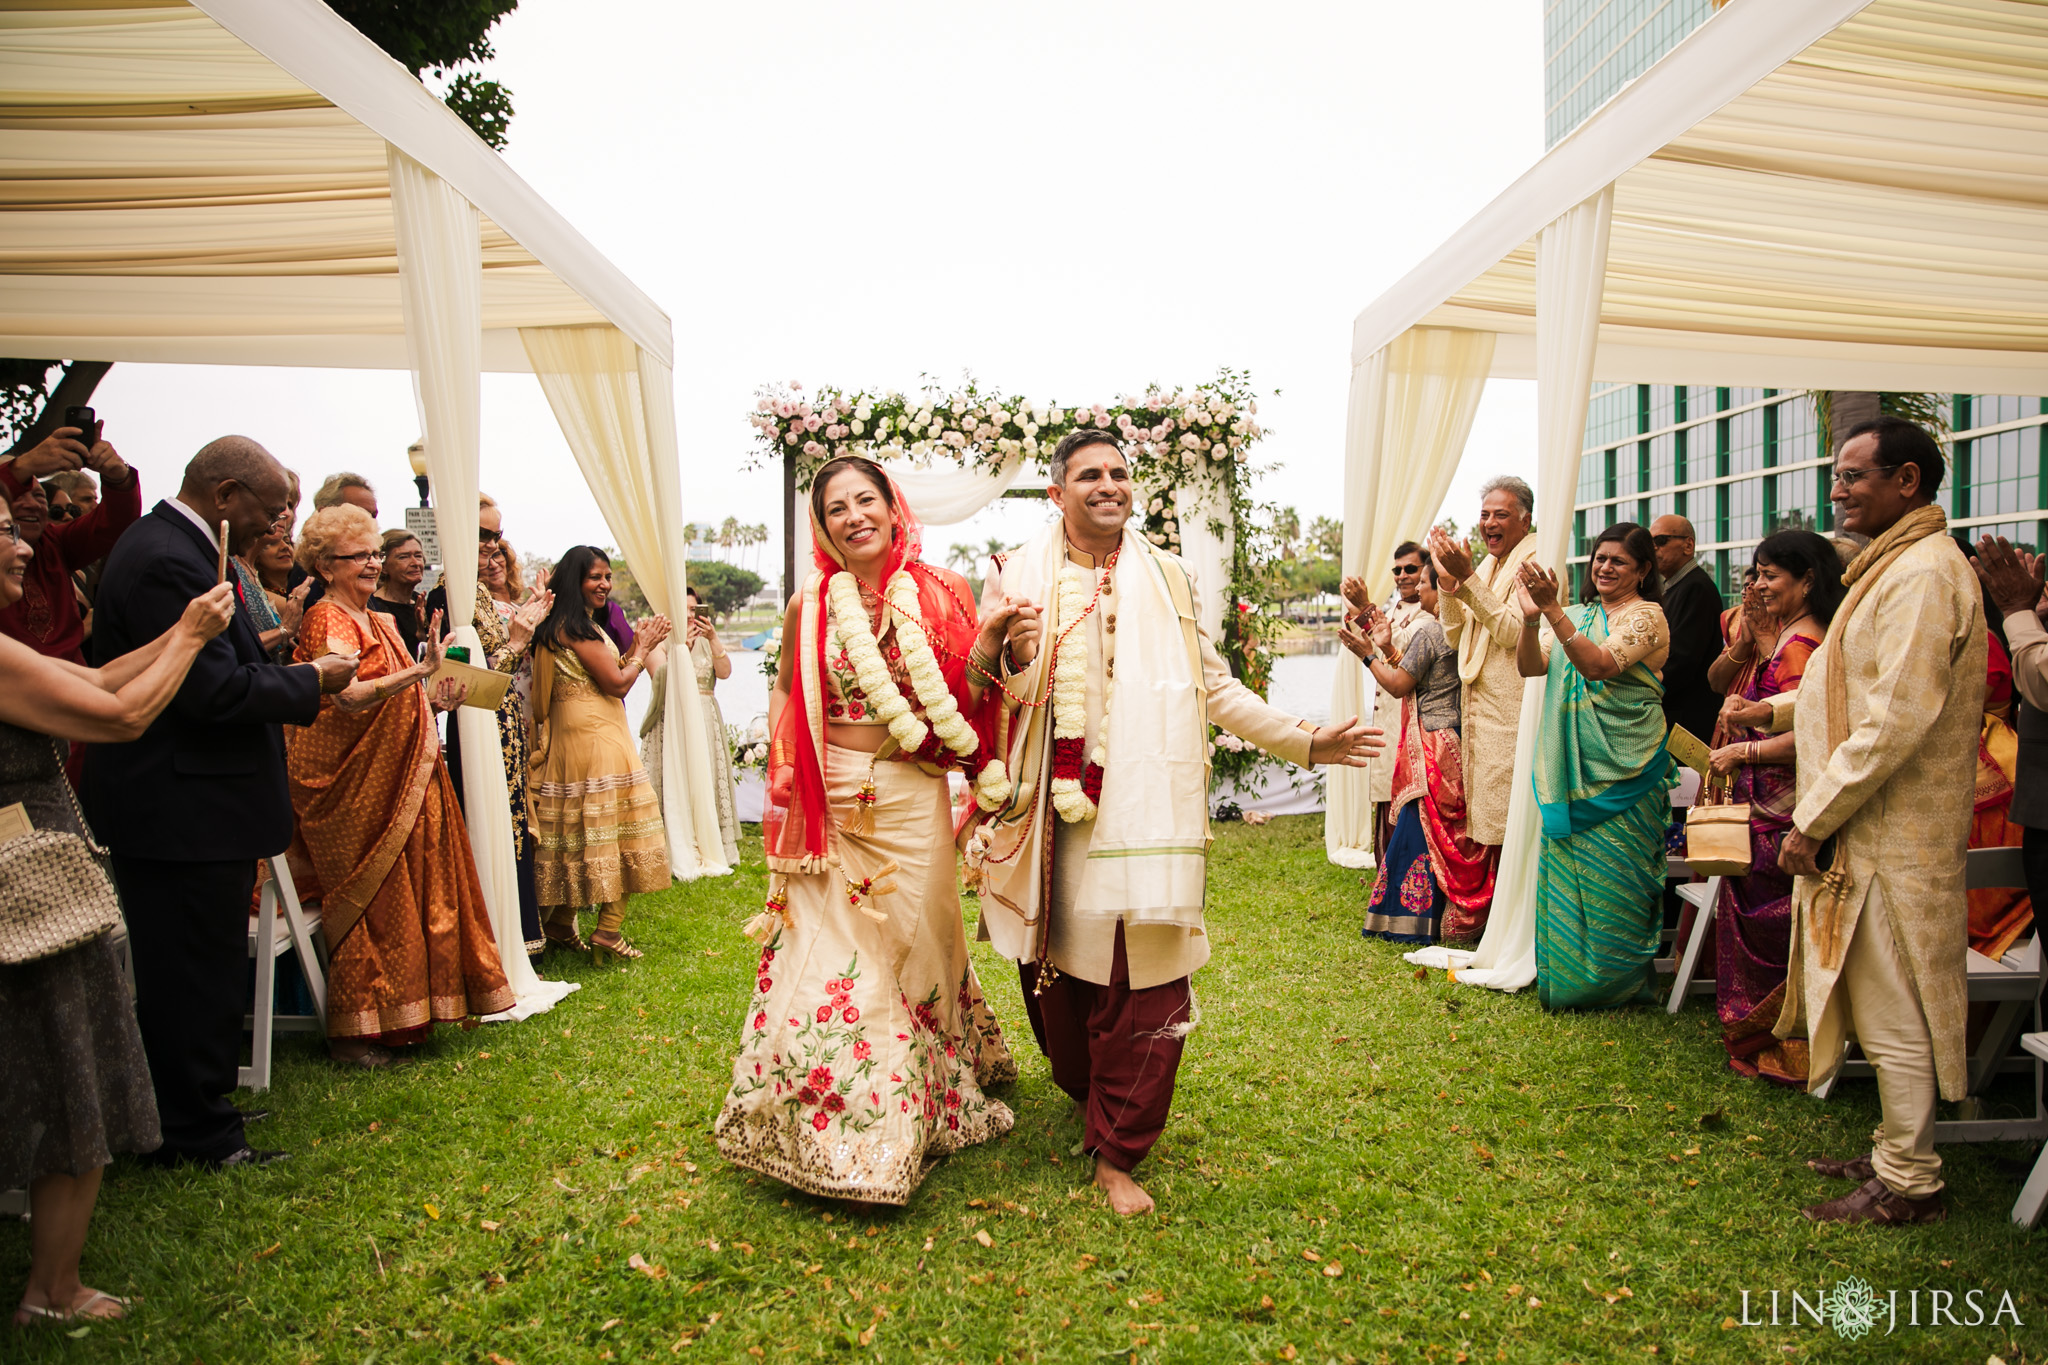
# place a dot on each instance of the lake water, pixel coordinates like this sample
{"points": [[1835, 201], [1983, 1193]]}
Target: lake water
{"points": [[1301, 687]]}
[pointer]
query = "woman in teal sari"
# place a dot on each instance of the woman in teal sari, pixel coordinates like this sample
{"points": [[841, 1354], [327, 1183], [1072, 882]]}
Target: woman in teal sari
{"points": [[1602, 774]]}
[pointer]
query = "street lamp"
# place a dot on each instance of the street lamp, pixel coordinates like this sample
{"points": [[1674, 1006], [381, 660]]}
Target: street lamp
{"points": [[417, 454]]}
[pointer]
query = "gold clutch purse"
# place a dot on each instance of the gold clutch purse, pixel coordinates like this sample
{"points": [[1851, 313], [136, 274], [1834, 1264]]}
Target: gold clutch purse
{"points": [[1717, 842]]}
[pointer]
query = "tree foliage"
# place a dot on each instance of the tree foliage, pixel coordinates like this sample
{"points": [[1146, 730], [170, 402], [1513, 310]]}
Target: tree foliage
{"points": [[24, 385], [724, 588], [440, 36]]}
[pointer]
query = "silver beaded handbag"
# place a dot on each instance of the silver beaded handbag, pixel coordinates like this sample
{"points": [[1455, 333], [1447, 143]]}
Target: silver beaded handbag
{"points": [[54, 892]]}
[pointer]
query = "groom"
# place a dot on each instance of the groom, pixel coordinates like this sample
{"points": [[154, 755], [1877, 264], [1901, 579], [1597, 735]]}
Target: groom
{"points": [[1094, 870]]}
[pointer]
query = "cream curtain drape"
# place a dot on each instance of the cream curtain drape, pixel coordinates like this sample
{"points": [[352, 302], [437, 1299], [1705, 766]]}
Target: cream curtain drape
{"points": [[616, 407], [1571, 277], [944, 497], [1412, 404], [440, 274]]}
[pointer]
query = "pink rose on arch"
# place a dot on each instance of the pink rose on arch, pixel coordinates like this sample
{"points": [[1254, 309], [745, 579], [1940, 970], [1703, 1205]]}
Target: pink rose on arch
{"points": [[852, 1014], [789, 438], [813, 422], [821, 1120]]}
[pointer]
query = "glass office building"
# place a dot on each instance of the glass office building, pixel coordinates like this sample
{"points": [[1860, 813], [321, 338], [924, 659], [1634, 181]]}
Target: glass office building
{"points": [[1741, 463]]}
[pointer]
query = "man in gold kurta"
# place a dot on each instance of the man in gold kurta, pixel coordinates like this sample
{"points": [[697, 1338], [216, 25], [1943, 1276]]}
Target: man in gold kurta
{"points": [[1887, 719], [1094, 872], [1483, 623]]}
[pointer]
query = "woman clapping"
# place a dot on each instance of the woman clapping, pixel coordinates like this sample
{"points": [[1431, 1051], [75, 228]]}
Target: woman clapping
{"points": [[409, 938]]}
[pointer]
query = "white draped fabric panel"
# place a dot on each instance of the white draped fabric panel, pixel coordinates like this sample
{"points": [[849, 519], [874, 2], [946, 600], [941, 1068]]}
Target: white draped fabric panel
{"points": [[1347, 818], [1412, 404], [440, 272], [940, 496], [1207, 552], [616, 407], [1571, 275]]}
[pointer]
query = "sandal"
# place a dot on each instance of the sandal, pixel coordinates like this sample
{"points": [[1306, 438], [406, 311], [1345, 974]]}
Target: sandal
{"points": [[98, 1297], [622, 950], [569, 942]]}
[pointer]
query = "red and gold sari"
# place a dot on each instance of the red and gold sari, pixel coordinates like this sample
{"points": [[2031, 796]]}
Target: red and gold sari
{"points": [[382, 844], [1999, 916]]}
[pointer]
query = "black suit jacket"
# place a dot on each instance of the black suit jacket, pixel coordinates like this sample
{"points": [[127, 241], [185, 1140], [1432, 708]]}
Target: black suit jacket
{"points": [[206, 781], [1692, 610]]}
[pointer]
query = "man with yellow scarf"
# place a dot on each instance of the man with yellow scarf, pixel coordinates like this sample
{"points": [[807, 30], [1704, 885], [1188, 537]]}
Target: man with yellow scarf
{"points": [[1887, 745]]}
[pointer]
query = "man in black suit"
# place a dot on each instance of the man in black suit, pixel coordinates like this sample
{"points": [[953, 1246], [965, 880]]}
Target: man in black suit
{"points": [[188, 808], [1692, 611]]}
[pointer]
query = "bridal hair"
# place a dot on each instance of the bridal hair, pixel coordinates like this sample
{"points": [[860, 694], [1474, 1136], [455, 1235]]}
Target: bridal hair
{"points": [[1508, 483], [860, 465], [1635, 542], [1078, 440]]}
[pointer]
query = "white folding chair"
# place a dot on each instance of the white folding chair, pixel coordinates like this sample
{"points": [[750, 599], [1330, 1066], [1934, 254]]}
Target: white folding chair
{"points": [[1703, 897], [2026, 1210], [271, 935], [2013, 984]]}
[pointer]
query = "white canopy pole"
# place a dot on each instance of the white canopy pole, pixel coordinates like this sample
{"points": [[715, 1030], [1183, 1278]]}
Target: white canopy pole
{"points": [[1347, 816], [440, 278], [1571, 278]]}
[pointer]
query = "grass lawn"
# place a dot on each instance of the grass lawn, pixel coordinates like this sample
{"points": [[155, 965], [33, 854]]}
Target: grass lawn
{"points": [[1362, 1166]]}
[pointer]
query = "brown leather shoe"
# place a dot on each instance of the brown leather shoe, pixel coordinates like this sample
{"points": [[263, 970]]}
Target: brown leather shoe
{"points": [[1873, 1202], [1856, 1168]]}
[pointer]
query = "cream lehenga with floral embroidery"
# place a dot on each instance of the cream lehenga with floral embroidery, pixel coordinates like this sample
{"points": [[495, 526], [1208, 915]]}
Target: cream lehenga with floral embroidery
{"points": [[866, 1046]]}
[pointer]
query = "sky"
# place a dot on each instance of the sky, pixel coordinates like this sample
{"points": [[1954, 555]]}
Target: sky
{"points": [[1066, 200]]}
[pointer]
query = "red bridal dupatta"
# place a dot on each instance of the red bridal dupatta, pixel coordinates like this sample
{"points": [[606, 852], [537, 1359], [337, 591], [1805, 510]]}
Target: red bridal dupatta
{"points": [[796, 827]]}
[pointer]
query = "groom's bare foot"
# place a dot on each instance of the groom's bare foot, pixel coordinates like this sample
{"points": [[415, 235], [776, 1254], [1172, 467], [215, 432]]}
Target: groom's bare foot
{"points": [[1126, 1196]]}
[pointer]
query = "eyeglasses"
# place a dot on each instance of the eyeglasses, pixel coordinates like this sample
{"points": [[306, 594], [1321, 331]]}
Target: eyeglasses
{"points": [[360, 557], [485, 533], [66, 513], [12, 531], [1849, 478], [1403, 570]]}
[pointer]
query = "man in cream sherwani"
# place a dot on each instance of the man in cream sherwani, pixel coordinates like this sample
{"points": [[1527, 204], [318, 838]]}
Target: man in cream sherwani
{"points": [[1887, 718], [1483, 623], [1094, 872]]}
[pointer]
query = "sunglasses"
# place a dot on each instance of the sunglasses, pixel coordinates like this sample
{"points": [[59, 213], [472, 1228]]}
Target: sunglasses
{"points": [[1403, 570], [66, 513], [487, 535], [1661, 541]]}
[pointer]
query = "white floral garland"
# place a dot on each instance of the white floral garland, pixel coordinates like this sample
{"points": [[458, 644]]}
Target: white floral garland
{"points": [[851, 630], [1070, 691]]}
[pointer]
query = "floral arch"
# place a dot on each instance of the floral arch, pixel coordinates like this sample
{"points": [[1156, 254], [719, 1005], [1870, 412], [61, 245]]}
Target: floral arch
{"points": [[1190, 452]]}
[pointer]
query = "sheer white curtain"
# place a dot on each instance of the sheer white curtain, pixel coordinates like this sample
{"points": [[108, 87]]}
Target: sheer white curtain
{"points": [[440, 279], [1571, 279], [1412, 404], [943, 496], [616, 407]]}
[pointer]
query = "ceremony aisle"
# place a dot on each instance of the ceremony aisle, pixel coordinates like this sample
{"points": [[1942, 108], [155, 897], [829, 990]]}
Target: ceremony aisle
{"points": [[1362, 1165]]}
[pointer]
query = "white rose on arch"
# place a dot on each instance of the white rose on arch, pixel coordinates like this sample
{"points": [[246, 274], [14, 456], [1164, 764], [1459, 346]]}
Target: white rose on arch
{"points": [[859, 427]]}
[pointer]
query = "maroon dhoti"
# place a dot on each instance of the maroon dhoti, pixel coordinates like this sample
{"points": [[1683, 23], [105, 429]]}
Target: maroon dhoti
{"points": [[1114, 1050]]}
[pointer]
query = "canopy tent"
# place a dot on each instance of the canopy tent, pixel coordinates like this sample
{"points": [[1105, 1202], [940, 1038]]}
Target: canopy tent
{"points": [[253, 182], [1839, 194]]}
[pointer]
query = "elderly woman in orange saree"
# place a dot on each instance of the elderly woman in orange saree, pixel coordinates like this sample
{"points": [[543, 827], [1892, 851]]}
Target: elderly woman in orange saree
{"points": [[409, 940]]}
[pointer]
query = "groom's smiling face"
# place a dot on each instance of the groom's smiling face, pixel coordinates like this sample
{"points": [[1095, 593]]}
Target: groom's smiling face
{"points": [[1096, 497]]}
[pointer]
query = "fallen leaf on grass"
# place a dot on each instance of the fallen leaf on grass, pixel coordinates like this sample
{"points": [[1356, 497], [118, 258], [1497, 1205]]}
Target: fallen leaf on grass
{"points": [[566, 1189], [1535, 1302], [610, 1323], [432, 1212], [1311, 1256], [270, 1250], [375, 1126], [977, 1203], [1422, 973], [1265, 1300], [497, 1359], [1481, 1152], [747, 1247], [1692, 1151], [981, 1236], [630, 1220], [690, 1167], [1333, 1270], [640, 1263]]}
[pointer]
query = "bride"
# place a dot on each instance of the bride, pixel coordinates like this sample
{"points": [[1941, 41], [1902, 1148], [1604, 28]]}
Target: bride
{"points": [[866, 1048]]}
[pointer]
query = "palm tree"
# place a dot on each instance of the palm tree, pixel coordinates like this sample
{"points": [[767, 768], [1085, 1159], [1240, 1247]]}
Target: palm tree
{"points": [[728, 532]]}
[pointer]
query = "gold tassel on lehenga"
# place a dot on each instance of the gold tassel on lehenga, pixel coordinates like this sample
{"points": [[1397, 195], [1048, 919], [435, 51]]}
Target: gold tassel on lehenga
{"points": [[761, 928], [860, 891], [861, 820]]}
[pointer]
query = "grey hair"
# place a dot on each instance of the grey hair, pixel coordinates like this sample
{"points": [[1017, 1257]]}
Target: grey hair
{"points": [[331, 491], [231, 457], [1056, 465], [1508, 483]]}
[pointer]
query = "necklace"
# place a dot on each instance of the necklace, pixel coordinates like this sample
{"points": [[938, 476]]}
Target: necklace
{"points": [[1076, 774]]}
